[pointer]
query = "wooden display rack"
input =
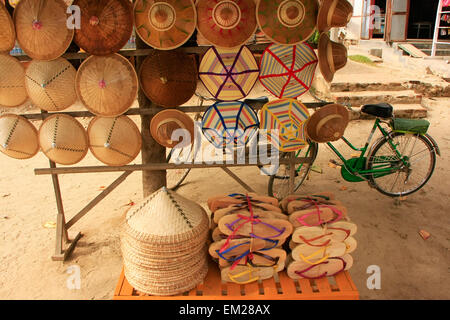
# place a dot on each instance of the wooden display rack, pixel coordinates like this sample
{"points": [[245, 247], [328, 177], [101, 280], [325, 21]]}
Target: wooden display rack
{"points": [[281, 287]]}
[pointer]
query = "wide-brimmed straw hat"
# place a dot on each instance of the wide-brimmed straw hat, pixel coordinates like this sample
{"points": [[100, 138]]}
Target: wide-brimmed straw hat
{"points": [[63, 139], [51, 84], [114, 141], [41, 28], [168, 78], [332, 57], [12, 82], [334, 13], [166, 122], [229, 74], [7, 31], [288, 71], [107, 85], [226, 23], [287, 21], [165, 25], [106, 25], [284, 121], [328, 123], [18, 137]]}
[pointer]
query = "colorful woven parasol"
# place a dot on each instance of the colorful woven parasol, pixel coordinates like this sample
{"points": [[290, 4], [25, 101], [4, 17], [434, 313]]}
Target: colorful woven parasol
{"points": [[12, 82], [229, 74], [287, 21], [226, 23], [106, 25], [107, 85], [166, 24], [285, 123], [41, 28], [7, 31], [229, 124], [288, 71]]}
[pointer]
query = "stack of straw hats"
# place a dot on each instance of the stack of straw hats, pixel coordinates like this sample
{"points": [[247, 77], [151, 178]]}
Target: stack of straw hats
{"points": [[323, 240], [164, 244], [248, 232]]}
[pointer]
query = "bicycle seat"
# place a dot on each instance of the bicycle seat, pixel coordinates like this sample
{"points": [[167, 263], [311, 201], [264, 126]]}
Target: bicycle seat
{"points": [[262, 100], [382, 110]]}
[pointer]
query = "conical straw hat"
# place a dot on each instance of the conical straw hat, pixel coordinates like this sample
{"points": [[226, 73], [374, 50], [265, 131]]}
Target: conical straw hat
{"points": [[41, 28], [287, 21], [18, 137], [165, 25], [165, 72], [226, 23], [12, 82], [328, 124], [51, 84], [106, 25], [107, 85], [7, 31], [229, 74], [334, 13], [332, 57], [288, 71], [114, 141], [63, 139]]}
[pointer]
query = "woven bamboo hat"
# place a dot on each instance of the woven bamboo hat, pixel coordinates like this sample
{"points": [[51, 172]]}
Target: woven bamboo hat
{"points": [[107, 85], [106, 25], [41, 28], [12, 82], [287, 21], [332, 57], [165, 25], [166, 122], [165, 72], [51, 84], [334, 13], [114, 141], [226, 23], [7, 31], [328, 124], [18, 137], [63, 139]]}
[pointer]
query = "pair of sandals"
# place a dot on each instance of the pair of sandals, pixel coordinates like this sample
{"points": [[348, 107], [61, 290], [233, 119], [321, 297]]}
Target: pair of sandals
{"points": [[221, 202]]}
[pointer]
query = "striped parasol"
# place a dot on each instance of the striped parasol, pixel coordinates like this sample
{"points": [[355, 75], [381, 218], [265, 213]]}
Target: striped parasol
{"points": [[285, 123], [288, 71], [229, 74], [229, 123]]}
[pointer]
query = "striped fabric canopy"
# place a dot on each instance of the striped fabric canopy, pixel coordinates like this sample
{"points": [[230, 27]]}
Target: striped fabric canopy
{"points": [[284, 121], [229, 74], [288, 71], [229, 123]]}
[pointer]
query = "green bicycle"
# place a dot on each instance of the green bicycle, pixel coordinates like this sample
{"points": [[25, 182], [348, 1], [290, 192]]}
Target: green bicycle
{"points": [[400, 163]]}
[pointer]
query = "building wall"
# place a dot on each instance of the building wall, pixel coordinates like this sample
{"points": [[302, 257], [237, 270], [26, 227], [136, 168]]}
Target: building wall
{"points": [[354, 27]]}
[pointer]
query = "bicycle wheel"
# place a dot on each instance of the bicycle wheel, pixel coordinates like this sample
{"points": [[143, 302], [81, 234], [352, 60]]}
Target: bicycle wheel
{"points": [[279, 183], [176, 177], [420, 156]]}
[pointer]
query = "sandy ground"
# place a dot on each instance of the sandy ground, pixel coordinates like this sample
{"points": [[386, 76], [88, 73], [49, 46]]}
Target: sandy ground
{"points": [[411, 268]]}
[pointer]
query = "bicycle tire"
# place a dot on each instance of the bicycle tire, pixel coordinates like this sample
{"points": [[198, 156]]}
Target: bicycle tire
{"points": [[375, 181]]}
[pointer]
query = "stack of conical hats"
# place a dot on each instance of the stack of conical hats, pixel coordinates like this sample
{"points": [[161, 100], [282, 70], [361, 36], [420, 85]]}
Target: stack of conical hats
{"points": [[323, 240], [164, 244], [248, 232]]}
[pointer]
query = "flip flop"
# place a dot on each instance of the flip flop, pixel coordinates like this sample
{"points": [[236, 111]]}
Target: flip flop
{"points": [[313, 255], [274, 229], [274, 258], [244, 211], [227, 249], [320, 236], [246, 274], [320, 195], [224, 201], [217, 236], [298, 205], [317, 216], [331, 267]]}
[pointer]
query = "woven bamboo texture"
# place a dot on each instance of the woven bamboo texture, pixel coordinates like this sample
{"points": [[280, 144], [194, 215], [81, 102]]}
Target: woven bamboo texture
{"points": [[7, 30], [18, 137], [12, 82]]}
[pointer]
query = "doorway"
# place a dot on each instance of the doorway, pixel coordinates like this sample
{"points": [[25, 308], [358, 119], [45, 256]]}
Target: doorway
{"points": [[422, 19]]}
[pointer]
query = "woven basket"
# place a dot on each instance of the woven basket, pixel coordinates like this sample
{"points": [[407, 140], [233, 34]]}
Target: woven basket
{"points": [[12, 82], [164, 73], [114, 141], [51, 84], [106, 25], [41, 28], [18, 137], [107, 85], [7, 31], [63, 139]]}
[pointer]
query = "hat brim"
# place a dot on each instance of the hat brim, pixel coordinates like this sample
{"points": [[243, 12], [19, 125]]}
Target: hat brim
{"points": [[324, 64], [188, 124], [320, 114], [322, 17]]}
